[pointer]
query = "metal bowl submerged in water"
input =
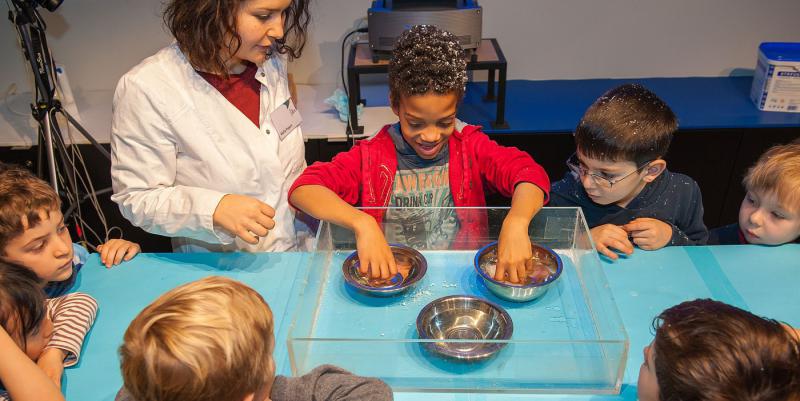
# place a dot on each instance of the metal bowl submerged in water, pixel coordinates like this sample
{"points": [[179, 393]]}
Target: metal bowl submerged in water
{"points": [[411, 266], [466, 318], [543, 270]]}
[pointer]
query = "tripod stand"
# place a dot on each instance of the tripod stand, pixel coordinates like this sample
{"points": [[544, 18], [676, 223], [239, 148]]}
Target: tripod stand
{"points": [[30, 28]]}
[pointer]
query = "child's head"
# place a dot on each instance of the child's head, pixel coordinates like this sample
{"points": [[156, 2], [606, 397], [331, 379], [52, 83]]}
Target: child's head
{"points": [[217, 34], [708, 350], [32, 230], [427, 74], [770, 212], [210, 339], [23, 311], [621, 141]]}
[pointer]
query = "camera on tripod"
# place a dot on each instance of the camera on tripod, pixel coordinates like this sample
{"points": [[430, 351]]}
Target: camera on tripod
{"points": [[65, 167], [33, 40], [49, 5]]}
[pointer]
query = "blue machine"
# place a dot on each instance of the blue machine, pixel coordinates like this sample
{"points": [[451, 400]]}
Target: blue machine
{"points": [[389, 18]]}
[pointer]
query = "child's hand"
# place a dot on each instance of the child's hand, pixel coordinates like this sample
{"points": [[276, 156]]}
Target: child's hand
{"points": [[245, 217], [513, 251], [608, 237], [374, 255], [51, 361], [115, 250], [649, 234]]}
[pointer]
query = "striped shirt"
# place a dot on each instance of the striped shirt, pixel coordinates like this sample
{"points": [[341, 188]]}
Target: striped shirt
{"points": [[72, 316]]}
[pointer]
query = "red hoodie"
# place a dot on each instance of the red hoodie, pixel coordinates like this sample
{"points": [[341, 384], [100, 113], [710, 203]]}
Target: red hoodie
{"points": [[364, 176]]}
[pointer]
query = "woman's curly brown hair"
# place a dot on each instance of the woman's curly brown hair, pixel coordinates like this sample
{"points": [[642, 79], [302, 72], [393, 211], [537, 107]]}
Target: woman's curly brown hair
{"points": [[426, 59], [201, 28]]}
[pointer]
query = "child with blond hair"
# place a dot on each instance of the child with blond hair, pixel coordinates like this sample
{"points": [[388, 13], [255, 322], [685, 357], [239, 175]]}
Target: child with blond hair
{"points": [[212, 339], [770, 211]]}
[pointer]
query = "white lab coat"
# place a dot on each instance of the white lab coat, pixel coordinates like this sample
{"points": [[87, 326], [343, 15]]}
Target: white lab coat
{"points": [[178, 146]]}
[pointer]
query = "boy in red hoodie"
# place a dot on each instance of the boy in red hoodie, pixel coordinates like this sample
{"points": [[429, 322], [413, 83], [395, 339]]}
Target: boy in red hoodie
{"points": [[431, 161]]}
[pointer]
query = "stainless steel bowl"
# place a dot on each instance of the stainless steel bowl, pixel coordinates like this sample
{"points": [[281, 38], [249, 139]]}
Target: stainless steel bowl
{"points": [[462, 317], [417, 267], [518, 292]]}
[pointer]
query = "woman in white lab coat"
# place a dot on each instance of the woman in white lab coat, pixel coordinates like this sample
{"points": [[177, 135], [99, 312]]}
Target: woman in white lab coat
{"points": [[205, 139]]}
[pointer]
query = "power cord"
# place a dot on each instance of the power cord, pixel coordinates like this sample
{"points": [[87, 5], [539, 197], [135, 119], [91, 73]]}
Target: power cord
{"points": [[349, 133], [71, 170]]}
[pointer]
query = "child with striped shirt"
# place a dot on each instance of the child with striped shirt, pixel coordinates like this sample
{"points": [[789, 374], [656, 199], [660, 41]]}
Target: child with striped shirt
{"points": [[49, 331], [33, 235]]}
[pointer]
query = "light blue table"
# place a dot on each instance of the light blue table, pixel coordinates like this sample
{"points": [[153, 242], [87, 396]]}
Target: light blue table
{"points": [[126, 289], [761, 279]]}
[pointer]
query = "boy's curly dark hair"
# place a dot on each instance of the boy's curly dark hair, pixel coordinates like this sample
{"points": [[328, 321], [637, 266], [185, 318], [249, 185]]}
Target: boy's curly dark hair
{"points": [[627, 123], [426, 59], [707, 350]]}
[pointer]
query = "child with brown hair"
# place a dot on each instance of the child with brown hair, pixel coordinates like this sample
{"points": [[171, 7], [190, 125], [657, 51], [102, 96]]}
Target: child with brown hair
{"points": [[770, 211], [49, 331], [706, 350], [619, 178], [212, 339], [33, 233], [205, 137]]}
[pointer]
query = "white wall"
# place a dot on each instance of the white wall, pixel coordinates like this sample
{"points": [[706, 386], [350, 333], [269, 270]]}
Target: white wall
{"points": [[98, 40]]}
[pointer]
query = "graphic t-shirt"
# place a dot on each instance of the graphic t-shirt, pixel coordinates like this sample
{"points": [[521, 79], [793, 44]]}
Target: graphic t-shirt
{"points": [[420, 213]]}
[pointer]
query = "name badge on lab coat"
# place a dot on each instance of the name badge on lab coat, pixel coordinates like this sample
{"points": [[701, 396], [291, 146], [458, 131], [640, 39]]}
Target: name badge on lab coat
{"points": [[285, 118]]}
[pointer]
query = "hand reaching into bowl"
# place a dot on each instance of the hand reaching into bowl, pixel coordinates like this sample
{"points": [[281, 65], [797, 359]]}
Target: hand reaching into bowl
{"points": [[403, 269]]}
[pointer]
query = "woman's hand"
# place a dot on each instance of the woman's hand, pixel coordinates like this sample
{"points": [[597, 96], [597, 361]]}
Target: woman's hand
{"points": [[245, 217]]}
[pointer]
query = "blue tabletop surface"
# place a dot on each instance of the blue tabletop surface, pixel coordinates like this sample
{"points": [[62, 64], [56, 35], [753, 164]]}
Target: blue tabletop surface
{"points": [[557, 105], [126, 289], [761, 279]]}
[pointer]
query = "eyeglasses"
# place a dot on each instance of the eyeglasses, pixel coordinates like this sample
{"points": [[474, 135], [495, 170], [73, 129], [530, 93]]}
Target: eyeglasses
{"points": [[575, 167]]}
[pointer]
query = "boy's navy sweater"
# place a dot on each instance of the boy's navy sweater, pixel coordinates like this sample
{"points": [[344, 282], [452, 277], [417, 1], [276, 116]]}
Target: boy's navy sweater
{"points": [[731, 235], [726, 235], [672, 198]]}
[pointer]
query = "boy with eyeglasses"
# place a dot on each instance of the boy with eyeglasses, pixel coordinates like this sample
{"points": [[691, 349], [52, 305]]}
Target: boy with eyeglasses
{"points": [[619, 178]]}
